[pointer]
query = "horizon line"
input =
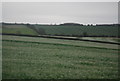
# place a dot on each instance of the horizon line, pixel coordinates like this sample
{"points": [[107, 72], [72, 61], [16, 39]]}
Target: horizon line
{"points": [[59, 23]]}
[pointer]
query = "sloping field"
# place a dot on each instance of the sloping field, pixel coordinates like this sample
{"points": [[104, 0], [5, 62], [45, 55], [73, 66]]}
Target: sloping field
{"points": [[61, 30], [44, 58], [80, 30], [18, 29]]}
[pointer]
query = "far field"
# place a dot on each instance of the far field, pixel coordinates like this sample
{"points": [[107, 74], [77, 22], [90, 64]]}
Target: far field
{"points": [[62, 30], [79, 30], [18, 29], [44, 58]]}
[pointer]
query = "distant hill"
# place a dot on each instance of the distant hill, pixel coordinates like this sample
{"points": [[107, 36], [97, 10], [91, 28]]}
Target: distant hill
{"points": [[66, 29], [79, 30], [17, 29]]}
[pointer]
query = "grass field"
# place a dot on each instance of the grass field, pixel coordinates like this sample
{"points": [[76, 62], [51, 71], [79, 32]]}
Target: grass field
{"points": [[61, 30], [107, 39], [44, 58], [80, 30], [18, 29]]}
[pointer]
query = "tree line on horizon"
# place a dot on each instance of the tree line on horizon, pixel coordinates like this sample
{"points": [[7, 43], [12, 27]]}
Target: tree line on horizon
{"points": [[64, 24]]}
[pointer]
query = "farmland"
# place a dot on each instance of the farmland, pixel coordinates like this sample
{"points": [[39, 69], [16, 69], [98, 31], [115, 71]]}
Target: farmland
{"points": [[62, 30], [18, 29], [45, 58], [79, 30]]}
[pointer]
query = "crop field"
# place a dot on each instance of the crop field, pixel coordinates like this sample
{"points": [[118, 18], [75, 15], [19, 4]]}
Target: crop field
{"points": [[45, 58]]}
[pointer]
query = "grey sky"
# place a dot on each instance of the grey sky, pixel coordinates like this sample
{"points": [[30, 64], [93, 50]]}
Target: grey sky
{"points": [[60, 12]]}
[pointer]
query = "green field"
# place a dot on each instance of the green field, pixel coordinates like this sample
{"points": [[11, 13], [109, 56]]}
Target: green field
{"points": [[44, 58], [18, 29], [79, 30], [62, 30]]}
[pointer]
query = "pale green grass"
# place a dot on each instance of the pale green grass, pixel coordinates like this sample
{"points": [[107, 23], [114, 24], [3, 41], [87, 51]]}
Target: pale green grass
{"points": [[59, 41], [107, 39], [18, 29]]}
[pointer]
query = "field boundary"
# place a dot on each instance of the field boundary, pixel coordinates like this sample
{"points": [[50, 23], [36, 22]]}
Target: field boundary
{"points": [[65, 38], [19, 41]]}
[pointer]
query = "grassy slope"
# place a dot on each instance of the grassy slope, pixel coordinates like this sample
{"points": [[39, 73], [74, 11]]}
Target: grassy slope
{"points": [[79, 30], [41, 58], [63, 30], [18, 29]]}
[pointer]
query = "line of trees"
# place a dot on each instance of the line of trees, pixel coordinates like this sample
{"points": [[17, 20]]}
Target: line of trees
{"points": [[64, 24]]}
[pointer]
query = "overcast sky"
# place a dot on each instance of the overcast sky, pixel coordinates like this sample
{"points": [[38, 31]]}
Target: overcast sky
{"points": [[60, 12]]}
